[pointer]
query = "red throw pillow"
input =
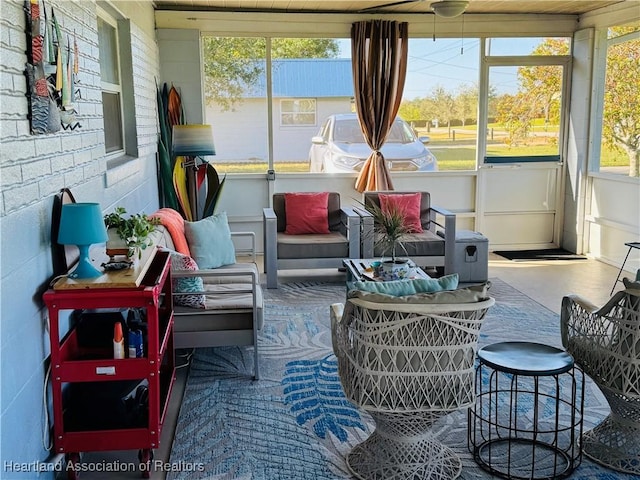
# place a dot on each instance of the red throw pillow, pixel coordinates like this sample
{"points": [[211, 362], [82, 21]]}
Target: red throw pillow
{"points": [[306, 213], [408, 203]]}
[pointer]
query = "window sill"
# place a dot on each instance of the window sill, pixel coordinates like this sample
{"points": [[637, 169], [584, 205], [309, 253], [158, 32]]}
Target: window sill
{"points": [[616, 177], [120, 168]]}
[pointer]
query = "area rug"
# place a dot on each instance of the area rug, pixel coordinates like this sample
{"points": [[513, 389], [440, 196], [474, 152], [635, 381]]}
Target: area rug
{"points": [[295, 423], [533, 255]]}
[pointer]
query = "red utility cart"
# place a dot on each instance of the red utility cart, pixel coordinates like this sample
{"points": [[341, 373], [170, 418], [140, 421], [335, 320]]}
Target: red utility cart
{"points": [[146, 286]]}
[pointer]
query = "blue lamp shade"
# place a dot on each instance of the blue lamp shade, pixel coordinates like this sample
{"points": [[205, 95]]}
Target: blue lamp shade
{"points": [[82, 224], [193, 140]]}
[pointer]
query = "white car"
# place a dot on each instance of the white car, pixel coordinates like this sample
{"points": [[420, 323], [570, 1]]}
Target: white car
{"points": [[340, 147]]}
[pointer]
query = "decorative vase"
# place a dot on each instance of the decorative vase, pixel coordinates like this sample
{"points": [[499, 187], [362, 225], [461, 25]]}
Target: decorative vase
{"points": [[398, 269]]}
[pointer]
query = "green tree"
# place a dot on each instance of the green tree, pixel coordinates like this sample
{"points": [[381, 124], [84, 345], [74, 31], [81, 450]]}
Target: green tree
{"points": [[410, 110], [516, 114], [444, 105], [466, 103], [621, 112], [234, 65], [543, 83]]}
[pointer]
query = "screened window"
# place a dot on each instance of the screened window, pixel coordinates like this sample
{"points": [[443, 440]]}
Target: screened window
{"points": [[524, 102], [440, 98], [278, 111], [310, 79], [619, 104]]}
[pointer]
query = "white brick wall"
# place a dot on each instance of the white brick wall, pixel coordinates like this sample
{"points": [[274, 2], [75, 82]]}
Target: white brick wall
{"points": [[35, 167], [29, 152]]}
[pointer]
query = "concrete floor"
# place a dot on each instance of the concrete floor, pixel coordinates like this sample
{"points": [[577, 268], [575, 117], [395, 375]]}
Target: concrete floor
{"points": [[544, 281]]}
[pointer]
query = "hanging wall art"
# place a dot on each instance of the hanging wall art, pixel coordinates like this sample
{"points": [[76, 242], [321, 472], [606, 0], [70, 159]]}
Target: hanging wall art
{"points": [[52, 71]]}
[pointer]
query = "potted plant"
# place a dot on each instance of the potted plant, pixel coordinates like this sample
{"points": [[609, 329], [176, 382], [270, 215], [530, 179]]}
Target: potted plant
{"points": [[389, 227], [128, 236]]}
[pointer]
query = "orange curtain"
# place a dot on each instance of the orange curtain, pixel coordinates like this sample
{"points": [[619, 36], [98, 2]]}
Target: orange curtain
{"points": [[379, 57]]}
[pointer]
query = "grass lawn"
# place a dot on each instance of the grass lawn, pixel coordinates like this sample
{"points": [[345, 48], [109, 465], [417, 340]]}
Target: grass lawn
{"points": [[450, 158]]}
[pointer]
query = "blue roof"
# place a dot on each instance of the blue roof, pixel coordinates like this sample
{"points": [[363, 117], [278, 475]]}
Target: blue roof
{"points": [[317, 77]]}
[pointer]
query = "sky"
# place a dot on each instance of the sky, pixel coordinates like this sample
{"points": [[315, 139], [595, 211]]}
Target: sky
{"points": [[454, 63]]}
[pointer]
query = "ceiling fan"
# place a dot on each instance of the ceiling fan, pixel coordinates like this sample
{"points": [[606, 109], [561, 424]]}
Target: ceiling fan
{"points": [[442, 8]]}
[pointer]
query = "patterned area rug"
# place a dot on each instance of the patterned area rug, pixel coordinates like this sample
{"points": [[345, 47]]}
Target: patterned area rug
{"points": [[295, 423]]}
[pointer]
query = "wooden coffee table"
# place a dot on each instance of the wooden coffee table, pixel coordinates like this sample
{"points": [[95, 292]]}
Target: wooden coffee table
{"points": [[359, 269]]}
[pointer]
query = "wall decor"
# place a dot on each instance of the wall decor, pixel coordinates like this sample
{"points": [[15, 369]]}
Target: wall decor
{"points": [[51, 70]]}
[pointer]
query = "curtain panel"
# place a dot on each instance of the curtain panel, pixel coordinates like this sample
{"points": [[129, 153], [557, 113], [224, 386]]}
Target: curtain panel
{"points": [[379, 51]]}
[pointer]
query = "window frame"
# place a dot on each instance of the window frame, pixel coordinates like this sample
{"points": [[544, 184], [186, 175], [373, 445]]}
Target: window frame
{"points": [[113, 88], [601, 49], [122, 26], [486, 62]]}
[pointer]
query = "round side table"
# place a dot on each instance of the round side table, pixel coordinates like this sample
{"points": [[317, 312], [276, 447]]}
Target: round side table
{"points": [[527, 419]]}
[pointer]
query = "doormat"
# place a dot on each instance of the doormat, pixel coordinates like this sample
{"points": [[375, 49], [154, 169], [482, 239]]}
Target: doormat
{"points": [[532, 255]]}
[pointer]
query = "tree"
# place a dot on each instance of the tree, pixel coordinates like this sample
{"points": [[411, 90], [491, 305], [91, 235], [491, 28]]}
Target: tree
{"points": [[410, 110], [443, 102], [543, 83], [234, 65], [516, 114], [621, 110], [466, 103]]}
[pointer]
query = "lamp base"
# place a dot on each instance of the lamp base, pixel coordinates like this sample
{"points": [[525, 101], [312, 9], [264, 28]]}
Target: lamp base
{"points": [[85, 268]]}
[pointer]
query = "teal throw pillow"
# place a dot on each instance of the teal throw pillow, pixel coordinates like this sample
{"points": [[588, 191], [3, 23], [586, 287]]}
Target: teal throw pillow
{"points": [[401, 288], [210, 241]]}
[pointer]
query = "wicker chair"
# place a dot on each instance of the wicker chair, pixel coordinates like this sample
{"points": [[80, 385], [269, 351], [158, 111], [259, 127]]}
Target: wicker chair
{"points": [[406, 363], [605, 342]]}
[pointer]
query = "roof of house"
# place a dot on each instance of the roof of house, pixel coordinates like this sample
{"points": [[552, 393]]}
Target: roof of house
{"points": [[317, 77]]}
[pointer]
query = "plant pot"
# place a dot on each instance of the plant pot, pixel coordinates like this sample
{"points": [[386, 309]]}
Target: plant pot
{"points": [[116, 245], [398, 269]]}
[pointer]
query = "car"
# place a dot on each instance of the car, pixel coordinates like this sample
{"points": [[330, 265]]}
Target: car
{"points": [[340, 147]]}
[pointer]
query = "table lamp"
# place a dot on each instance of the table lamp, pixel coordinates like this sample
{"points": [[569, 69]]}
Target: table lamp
{"points": [[81, 224], [193, 141]]}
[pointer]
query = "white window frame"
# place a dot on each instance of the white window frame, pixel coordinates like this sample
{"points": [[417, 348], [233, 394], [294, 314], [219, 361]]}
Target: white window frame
{"points": [[486, 63], [600, 68]]}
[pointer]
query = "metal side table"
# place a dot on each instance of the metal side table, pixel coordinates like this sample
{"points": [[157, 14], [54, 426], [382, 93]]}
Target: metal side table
{"points": [[527, 419]]}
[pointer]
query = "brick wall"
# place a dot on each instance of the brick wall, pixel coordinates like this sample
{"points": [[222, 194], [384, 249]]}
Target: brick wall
{"points": [[35, 167]]}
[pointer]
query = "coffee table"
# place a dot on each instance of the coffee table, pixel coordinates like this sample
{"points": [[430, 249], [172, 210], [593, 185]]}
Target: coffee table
{"points": [[360, 269]]}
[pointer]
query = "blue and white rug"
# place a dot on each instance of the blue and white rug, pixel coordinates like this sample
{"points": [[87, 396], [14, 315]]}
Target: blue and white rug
{"points": [[295, 423]]}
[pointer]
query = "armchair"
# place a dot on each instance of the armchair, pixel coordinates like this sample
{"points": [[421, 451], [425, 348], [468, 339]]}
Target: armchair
{"points": [[434, 247], [284, 251], [605, 342], [408, 361]]}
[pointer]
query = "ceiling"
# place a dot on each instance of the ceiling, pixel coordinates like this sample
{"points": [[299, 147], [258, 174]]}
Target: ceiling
{"points": [[567, 7]]}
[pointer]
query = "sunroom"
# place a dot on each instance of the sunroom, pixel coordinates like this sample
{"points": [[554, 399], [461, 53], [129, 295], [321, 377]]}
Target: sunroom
{"points": [[530, 113]]}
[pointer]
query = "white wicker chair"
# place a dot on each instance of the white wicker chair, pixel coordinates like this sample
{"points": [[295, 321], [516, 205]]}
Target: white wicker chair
{"points": [[605, 342], [406, 364]]}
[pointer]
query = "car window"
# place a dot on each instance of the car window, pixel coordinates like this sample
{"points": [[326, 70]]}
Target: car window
{"points": [[400, 133], [347, 131]]}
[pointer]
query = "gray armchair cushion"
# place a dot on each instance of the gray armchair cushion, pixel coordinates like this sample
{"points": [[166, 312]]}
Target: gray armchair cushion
{"points": [[331, 245], [425, 244]]}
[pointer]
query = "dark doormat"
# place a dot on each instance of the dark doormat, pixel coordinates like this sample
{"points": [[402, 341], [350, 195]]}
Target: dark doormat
{"points": [[549, 254]]}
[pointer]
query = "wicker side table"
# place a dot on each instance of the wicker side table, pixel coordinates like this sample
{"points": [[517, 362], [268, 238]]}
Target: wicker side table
{"points": [[527, 419]]}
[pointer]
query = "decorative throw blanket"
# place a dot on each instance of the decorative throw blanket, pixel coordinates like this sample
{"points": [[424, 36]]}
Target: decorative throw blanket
{"points": [[174, 223]]}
